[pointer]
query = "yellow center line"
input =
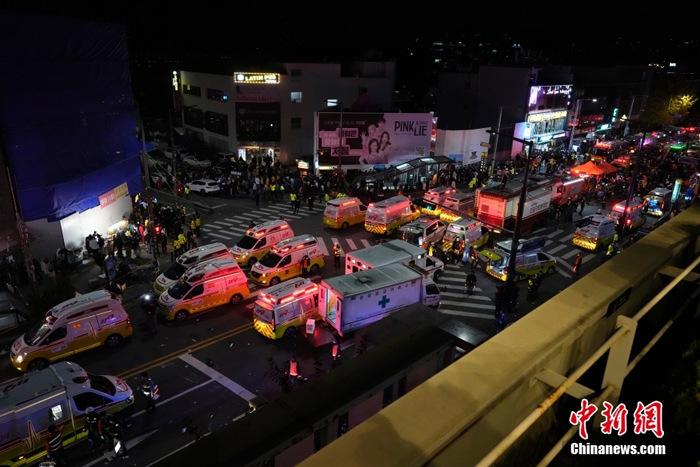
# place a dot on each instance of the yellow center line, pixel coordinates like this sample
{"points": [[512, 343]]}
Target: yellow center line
{"points": [[190, 348]]}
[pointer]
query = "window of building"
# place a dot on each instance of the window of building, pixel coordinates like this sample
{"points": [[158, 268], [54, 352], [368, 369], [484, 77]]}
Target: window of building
{"points": [[216, 123], [216, 95], [296, 122], [296, 72], [296, 97], [192, 90], [194, 117], [331, 102], [258, 121]]}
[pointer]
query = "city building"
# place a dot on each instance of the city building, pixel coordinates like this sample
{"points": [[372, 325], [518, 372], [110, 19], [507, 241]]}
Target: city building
{"points": [[69, 129], [269, 110]]}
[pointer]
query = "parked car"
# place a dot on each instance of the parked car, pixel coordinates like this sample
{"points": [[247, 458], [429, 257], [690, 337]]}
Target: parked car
{"points": [[13, 317], [204, 185], [192, 161]]}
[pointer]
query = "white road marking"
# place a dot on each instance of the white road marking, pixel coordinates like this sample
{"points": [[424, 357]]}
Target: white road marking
{"points": [[587, 257], [351, 243], [220, 235], [567, 238], [226, 223], [322, 246], [539, 230], [223, 380], [176, 396], [247, 216], [469, 305], [365, 243], [563, 273], [238, 230], [453, 274], [129, 445], [465, 296], [454, 267], [555, 233], [456, 287], [218, 206], [556, 249], [467, 314], [570, 254], [451, 279], [186, 445]]}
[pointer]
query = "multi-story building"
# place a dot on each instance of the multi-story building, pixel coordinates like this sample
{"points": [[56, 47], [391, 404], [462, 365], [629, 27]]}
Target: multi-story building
{"points": [[270, 110]]}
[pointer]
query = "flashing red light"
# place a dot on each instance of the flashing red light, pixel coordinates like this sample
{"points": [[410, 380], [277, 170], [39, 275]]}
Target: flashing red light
{"points": [[629, 221], [347, 203], [293, 368], [157, 230]]}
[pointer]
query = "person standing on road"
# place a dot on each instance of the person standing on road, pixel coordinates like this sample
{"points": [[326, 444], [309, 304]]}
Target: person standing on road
{"points": [[311, 201], [293, 201], [577, 265], [54, 445], [337, 253], [150, 391], [470, 283], [95, 428], [305, 265]]}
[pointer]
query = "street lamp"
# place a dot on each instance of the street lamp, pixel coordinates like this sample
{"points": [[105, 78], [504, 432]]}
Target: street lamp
{"points": [[576, 116], [510, 278]]}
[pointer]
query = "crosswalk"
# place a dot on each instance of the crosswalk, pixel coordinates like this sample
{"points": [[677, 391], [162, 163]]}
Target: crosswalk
{"points": [[454, 299], [232, 228], [559, 245]]}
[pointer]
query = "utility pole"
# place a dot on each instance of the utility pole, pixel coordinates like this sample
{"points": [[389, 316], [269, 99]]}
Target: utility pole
{"points": [[573, 127], [495, 143], [629, 115]]}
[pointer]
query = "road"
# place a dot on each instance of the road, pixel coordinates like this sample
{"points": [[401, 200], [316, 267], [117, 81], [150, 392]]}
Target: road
{"points": [[210, 367]]}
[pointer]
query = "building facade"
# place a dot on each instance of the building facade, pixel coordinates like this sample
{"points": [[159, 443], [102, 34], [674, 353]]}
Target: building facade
{"points": [[270, 112]]}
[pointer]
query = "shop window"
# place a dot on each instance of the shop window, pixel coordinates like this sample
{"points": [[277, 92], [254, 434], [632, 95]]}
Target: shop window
{"points": [[296, 97], [216, 95], [216, 123], [296, 122]]}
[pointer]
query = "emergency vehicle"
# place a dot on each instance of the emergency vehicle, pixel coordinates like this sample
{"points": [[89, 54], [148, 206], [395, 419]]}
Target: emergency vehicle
{"points": [[635, 217], [456, 206], [79, 324], [434, 198], [594, 232], [498, 207], [467, 230], [187, 260], [286, 259], [203, 287], [385, 216], [259, 240], [58, 395], [530, 260], [280, 309], [425, 229], [658, 201], [395, 251], [567, 189], [341, 213]]}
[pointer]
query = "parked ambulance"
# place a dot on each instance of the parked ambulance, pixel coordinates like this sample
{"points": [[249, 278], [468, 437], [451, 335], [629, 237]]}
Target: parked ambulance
{"points": [[635, 217], [81, 323], [259, 240], [658, 202], [346, 302], [470, 231], [385, 216], [187, 260], [286, 259], [425, 229], [341, 213], [434, 199], [456, 206], [594, 232], [58, 395], [203, 287]]}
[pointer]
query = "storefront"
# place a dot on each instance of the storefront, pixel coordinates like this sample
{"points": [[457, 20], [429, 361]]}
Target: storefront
{"points": [[259, 153], [545, 129]]}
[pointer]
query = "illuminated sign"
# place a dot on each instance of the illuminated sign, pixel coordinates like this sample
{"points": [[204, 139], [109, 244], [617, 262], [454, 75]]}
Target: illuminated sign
{"points": [[550, 97], [112, 195], [256, 78], [175, 80], [543, 116]]}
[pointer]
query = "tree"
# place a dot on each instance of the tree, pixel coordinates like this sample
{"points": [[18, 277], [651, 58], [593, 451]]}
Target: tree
{"points": [[679, 106]]}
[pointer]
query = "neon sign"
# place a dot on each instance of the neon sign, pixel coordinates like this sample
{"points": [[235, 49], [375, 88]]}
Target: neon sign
{"points": [[256, 78]]}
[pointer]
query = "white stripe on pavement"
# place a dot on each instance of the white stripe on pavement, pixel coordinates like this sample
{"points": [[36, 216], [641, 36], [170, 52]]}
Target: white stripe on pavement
{"points": [[229, 384], [238, 230], [454, 267], [557, 248], [247, 216], [563, 273], [464, 295], [587, 257], [570, 254], [451, 279], [219, 235], [555, 233], [539, 230], [456, 287], [462, 304], [222, 223], [351, 243], [467, 314], [548, 242], [322, 246], [566, 238], [365, 243]]}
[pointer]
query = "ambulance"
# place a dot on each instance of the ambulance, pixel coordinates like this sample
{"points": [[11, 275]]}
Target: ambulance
{"points": [[658, 202], [635, 217], [286, 259], [81, 323], [434, 198], [470, 231], [280, 309], [530, 260], [203, 287], [259, 240], [341, 213], [594, 232], [187, 260], [385, 216], [425, 229], [456, 206]]}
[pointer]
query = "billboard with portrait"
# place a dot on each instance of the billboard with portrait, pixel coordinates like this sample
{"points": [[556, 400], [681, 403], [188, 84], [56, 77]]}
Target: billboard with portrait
{"points": [[372, 138]]}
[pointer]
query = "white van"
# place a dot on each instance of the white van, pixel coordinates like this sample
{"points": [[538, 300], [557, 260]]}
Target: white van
{"points": [[286, 259], [341, 213], [259, 240], [424, 230], [81, 323], [203, 287], [470, 231], [187, 260], [61, 395], [388, 215]]}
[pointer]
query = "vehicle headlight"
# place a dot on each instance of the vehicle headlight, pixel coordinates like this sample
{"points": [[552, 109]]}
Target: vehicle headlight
{"points": [[20, 358], [264, 275]]}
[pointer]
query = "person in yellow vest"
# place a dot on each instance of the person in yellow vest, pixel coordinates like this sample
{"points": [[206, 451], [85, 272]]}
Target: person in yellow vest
{"points": [[182, 240], [326, 197], [187, 191], [193, 224], [198, 222], [293, 200]]}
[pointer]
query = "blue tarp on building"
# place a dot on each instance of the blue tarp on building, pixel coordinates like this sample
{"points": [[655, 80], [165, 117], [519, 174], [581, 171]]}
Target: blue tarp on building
{"points": [[67, 119]]}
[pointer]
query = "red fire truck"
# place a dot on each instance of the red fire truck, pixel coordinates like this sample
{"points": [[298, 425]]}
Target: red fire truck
{"points": [[497, 207]]}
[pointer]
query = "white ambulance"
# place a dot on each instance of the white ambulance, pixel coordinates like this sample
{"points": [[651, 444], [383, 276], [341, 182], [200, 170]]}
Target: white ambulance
{"points": [[286, 260], [385, 216], [259, 240], [187, 260]]}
